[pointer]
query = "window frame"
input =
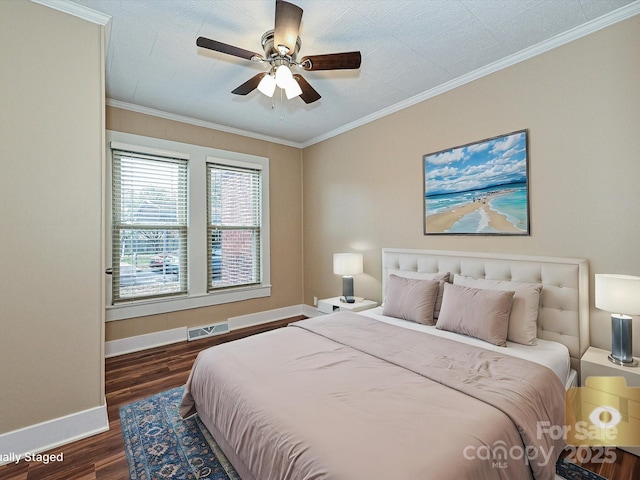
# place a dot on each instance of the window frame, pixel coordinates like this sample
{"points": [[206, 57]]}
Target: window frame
{"points": [[252, 169], [197, 245], [125, 151]]}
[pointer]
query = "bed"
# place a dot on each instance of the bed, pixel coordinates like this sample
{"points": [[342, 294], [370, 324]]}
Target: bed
{"points": [[378, 396]]}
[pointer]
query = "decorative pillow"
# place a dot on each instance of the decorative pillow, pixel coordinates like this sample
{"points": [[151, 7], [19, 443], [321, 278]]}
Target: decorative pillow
{"points": [[441, 277], [411, 299], [479, 313], [523, 321]]}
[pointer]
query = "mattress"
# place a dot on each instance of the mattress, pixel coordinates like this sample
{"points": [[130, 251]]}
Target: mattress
{"points": [[552, 355], [347, 397]]}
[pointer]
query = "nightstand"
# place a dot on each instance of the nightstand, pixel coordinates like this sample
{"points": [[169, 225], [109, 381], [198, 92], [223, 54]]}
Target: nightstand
{"points": [[331, 305], [594, 363]]}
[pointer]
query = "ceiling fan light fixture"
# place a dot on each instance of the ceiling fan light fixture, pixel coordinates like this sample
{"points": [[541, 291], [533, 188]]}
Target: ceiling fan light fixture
{"points": [[267, 85], [283, 76], [292, 89], [281, 46]]}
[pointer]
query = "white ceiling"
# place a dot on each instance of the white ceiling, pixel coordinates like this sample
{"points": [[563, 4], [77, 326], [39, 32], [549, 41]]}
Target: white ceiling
{"points": [[411, 50]]}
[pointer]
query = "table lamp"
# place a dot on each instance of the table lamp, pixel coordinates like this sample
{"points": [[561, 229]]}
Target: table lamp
{"points": [[347, 265], [619, 293]]}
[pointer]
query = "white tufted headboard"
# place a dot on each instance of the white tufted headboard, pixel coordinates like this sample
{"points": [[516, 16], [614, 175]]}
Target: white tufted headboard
{"points": [[564, 302]]}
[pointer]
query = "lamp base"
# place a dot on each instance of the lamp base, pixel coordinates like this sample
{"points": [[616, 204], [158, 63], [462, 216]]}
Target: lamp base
{"points": [[621, 335], [347, 289], [629, 363]]}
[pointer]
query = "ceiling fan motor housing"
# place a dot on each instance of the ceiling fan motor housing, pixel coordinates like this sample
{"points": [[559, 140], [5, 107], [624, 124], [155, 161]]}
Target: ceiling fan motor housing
{"points": [[273, 55]]}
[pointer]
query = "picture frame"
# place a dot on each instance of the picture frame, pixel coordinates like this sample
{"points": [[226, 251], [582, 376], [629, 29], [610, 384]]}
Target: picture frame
{"points": [[480, 188]]}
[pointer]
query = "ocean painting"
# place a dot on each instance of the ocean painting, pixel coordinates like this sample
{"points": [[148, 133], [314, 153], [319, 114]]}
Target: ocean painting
{"points": [[478, 189]]}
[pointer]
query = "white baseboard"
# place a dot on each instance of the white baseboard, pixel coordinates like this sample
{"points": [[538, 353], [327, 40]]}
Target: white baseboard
{"points": [[113, 348], [53, 433], [309, 311], [265, 317], [138, 343]]}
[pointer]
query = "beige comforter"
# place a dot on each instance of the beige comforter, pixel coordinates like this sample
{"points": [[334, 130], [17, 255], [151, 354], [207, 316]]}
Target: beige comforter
{"points": [[346, 397]]}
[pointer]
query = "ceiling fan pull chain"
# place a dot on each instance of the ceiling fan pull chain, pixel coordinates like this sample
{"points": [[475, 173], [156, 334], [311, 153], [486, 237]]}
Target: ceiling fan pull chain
{"points": [[281, 107]]}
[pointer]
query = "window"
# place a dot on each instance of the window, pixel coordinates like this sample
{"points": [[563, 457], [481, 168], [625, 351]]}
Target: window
{"points": [[189, 226], [149, 198], [234, 219]]}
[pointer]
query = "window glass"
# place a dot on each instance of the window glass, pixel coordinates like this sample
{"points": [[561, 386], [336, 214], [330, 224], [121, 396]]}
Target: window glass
{"points": [[234, 215], [189, 226], [149, 197]]}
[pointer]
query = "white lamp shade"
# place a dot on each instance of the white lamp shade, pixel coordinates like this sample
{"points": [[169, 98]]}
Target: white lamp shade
{"points": [[618, 293], [283, 76], [267, 85], [347, 263], [292, 89]]}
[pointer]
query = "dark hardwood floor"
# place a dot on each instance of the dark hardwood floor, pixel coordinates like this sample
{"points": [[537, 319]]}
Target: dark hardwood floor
{"points": [[137, 375], [127, 378]]}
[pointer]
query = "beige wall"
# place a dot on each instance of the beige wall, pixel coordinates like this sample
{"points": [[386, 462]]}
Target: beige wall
{"points": [[362, 191], [285, 171], [51, 310], [581, 103]]}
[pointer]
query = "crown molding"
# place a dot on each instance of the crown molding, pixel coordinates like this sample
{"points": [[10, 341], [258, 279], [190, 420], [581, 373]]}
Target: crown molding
{"points": [[80, 11], [77, 10], [200, 123], [575, 33]]}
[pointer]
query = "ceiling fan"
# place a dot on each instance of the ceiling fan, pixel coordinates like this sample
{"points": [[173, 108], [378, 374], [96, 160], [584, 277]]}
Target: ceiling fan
{"points": [[281, 46]]}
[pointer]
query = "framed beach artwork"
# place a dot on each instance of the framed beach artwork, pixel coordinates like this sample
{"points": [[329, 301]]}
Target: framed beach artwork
{"points": [[478, 189]]}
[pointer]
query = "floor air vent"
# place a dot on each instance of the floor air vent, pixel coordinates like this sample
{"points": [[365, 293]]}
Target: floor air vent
{"points": [[196, 333]]}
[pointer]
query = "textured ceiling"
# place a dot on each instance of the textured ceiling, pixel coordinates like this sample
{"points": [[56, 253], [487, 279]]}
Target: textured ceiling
{"points": [[411, 49]]}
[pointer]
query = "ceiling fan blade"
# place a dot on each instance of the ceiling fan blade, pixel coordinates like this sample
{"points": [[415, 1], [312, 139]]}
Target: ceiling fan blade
{"points": [[309, 95], [250, 85], [332, 61], [288, 18], [224, 48]]}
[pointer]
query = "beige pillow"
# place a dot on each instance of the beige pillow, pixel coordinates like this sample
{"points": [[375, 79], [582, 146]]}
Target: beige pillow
{"points": [[479, 313], [523, 321], [411, 299], [441, 277]]}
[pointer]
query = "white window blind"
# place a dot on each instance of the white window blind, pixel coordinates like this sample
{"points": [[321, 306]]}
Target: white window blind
{"points": [[149, 196], [234, 212]]}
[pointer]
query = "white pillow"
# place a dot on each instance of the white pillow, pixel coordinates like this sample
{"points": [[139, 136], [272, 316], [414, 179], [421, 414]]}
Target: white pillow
{"points": [[523, 321]]}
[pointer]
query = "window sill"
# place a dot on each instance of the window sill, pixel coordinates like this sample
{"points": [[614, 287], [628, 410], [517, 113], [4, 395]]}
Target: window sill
{"points": [[123, 311]]}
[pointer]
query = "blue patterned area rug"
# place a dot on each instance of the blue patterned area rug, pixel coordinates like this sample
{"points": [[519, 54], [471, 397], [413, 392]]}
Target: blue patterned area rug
{"points": [[159, 444], [571, 471]]}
